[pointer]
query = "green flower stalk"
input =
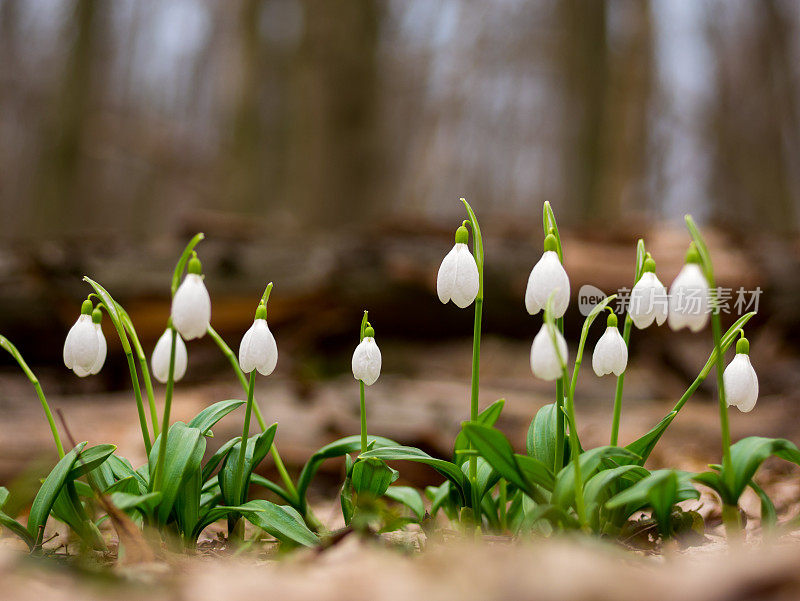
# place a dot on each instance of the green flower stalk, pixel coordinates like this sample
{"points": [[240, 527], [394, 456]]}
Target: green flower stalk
{"points": [[366, 366], [460, 279]]}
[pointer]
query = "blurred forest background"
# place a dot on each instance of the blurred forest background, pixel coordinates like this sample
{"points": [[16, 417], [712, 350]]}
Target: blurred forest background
{"points": [[323, 144]]}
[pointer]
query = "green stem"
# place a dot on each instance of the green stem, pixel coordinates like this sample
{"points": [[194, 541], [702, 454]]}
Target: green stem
{"points": [[723, 406], [162, 449], [503, 504], [142, 358], [473, 404], [279, 465], [560, 384], [240, 475], [363, 417], [137, 393], [574, 450], [626, 336], [12, 350]]}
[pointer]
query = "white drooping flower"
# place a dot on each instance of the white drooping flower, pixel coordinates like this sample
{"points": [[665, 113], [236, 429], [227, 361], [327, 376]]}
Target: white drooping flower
{"points": [[160, 359], [81, 347], [611, 353], [102, 348], [546, 363], [688, 296], [648, 300], [740, 379], [458, 279], [366, 362], [548, 277], [258, 349], [191, 305]]}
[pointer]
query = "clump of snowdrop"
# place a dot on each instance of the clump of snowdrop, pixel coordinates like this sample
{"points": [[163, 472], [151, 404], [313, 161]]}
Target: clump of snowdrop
{"points": [[688, 295], [366, 362], [547, 278], [161, 353], [458, 279], [648, 300], [258, 350], [191, 305], [741, 381], [83, 353], [611, 353], [548, 363]]}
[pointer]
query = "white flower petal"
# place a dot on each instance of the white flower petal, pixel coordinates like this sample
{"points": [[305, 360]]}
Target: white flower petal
{"points": [[547, 276], [160, 360], [688, 299], [81, 346], [545, 362], [648, 301], [610, 354], [741, 383], [102, 350], [366, 363], [458, 278], [258, 349], [191, 307]]}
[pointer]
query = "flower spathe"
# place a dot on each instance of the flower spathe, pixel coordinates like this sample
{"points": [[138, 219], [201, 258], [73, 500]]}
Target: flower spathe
{"points": [[258, 349], [366, 361], [160, 358], [81, 347], [458, 279], [740, 379], [548, 277], [546, 363], [191, 305], [648, 301], [688, 296], [611, 353]]}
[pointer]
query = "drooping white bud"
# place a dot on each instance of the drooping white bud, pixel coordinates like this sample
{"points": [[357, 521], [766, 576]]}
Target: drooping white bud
{"points": [[546, 362], [366, 362], [458, 279], [258, 349], [548, 277], [688, 299], [81, 347], [102, 349], [160, 359], [648, 300], [740, 379], [611, 353], [191, 305]]}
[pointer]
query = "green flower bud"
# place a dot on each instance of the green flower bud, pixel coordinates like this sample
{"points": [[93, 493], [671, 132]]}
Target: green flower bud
{"points": [[97, 316], [462, 235], [369, 332], [87, 307], [550, 243], [261, 312], [649, 265], [194, 265], [743, 346], [692, 256], [611, 321]]}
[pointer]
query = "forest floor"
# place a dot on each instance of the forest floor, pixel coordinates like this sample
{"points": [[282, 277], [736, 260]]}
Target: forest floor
{"points": [[425, 410]]}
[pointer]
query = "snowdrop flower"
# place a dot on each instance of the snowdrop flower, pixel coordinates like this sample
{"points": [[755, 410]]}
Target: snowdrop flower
{"points": [[611, 353], [648, 301], [191, 305], [688, 296], [458, 278], [102, 347], [160, 359], [740, 379], [546, 363], [548, 276], [258, 349], [366, 362], [82, 348]]}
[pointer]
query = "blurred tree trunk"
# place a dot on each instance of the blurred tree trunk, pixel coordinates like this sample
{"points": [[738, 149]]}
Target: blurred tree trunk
{"points": [[59, 204], [754, 125], [334, 95]]}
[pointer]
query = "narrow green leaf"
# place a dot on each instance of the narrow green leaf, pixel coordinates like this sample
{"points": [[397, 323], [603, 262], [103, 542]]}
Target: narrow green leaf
{"points": [[209, 416], [90, 459], [185, 449], [590, 461], [49, 491], [487, 417], [281, 522], [400, 453], [409, 497]]}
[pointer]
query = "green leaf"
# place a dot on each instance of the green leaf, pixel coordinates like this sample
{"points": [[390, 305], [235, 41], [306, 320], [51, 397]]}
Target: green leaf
{"points": [[90, 459], [144, 503], [217, 457], [122, 468], [69, 509], [49, 491], [548, 223], [769, 517], [487, 417], [748, 454], [409, 497], [541, 442], [564, 489], [281, 522], [645, 445], [597, 487], [127, 485], [372, 476], [6, 521], [400, 453], [260, 480], [185, 449], [255, 451], [337, 448], [209, 416], [641, 255]]}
